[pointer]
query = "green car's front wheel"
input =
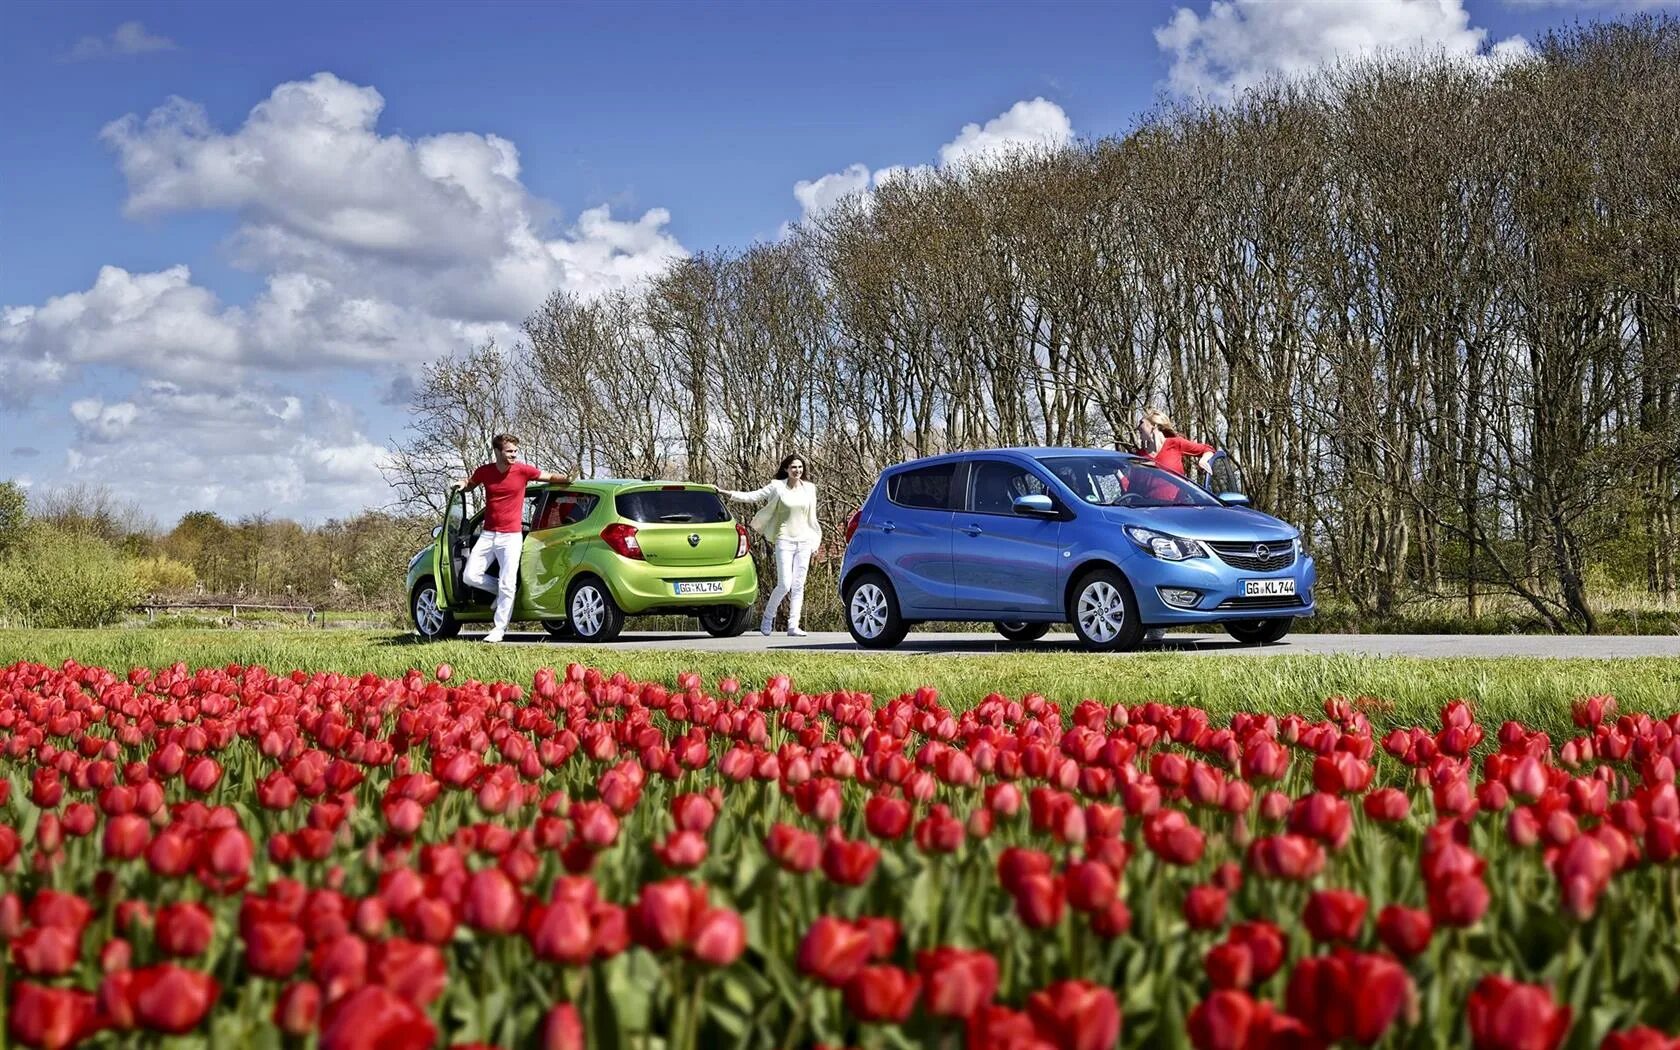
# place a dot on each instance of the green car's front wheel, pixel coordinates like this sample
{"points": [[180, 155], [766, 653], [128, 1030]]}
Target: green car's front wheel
{"points": [[431, 622], [724, 621], [593, 614]]}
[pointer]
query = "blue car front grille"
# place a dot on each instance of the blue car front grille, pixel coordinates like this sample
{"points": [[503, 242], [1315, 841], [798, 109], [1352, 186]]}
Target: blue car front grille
{"points": [[1279, 555], [1282, 601]]}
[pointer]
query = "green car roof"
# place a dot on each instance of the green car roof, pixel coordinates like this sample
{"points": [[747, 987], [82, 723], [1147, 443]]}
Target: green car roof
{"points": [[620, 484]]}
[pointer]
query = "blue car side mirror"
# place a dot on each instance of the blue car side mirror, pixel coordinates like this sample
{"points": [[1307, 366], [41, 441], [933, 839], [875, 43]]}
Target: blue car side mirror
{"points": [[1036, 506], [1233, 499]]}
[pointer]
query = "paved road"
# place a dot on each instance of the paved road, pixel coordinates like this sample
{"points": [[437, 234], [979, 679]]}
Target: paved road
{"points": [[1371, 644]]}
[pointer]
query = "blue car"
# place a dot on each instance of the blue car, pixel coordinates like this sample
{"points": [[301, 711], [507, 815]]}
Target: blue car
{"points": [[1105, 541]]}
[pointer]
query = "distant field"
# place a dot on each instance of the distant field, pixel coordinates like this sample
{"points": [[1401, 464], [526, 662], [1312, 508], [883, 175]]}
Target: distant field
{"points": [[1535, 691]]}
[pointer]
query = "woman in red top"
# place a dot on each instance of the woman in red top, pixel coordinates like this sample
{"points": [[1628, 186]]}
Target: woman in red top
{"points": [[1162, 443]]}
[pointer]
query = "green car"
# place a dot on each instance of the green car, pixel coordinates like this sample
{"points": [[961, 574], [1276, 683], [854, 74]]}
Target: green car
{"points": [[594, 553]]}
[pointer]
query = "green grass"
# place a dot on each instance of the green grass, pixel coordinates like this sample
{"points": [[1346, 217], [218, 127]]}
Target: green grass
{"points": [[1537, 692]]}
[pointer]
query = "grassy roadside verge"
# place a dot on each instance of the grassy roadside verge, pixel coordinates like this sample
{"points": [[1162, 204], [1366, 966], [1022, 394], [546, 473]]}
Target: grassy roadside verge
{"points": [[1536, 691]]}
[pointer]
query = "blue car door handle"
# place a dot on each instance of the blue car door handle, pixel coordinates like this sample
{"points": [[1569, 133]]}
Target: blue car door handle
{"points": [[973, 530]]}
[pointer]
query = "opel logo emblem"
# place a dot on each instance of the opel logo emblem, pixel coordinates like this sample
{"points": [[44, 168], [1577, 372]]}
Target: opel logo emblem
{"points": [[694, 539], [1262, 552]]}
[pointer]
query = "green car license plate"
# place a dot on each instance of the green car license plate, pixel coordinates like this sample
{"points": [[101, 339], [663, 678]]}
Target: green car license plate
{"points": [[699, 587]]}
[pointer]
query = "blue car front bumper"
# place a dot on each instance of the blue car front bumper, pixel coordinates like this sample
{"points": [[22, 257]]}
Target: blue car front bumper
{"points": [[1219, 591]]}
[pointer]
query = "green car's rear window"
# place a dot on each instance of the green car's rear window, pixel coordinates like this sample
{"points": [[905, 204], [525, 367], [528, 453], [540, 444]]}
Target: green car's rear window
{"points": [[687, 506]]}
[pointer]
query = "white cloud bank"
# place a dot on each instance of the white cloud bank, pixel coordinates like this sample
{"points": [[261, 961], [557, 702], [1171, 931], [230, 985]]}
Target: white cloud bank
{"points": [[377, 251], [1239, 43], [1030, 124]]}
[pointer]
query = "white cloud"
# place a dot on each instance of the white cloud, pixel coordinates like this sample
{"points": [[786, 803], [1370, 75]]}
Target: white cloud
{"points": [[99, 421], [1027, 125], [1239, 43], [442, 220], [1035, 124], [379, 251], [130, 38], [171, 447]]}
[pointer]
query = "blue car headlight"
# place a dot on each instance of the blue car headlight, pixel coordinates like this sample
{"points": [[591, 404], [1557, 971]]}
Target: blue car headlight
{"points": [[1163, 546]]}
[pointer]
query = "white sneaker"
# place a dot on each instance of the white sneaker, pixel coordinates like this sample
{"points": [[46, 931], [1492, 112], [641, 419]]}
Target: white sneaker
{"points": [[764, 629], [796, 632], [493, 636]]}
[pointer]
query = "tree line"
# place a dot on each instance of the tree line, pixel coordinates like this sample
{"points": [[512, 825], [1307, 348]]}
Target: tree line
{"points": [[1432, 308]]}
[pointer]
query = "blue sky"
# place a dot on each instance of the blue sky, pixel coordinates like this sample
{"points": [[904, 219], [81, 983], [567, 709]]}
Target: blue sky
{"points": [[203, 306]]}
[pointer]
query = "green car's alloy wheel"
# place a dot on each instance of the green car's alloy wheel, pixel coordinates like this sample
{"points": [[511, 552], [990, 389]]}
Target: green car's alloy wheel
{"points": [[431, 622], [1260, 632], [1017, 631], [724, 621], [593, 614]]}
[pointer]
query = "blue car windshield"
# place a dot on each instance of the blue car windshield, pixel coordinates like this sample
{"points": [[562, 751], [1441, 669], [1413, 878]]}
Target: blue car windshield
{"points": [[1125, 481]]}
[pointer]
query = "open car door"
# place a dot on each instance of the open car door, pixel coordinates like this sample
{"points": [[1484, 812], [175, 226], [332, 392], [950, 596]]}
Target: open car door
{"points": [[447, 556], [1225, 480]]}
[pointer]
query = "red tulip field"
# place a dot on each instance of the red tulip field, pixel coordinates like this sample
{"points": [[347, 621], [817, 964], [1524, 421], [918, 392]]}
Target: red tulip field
{"points": [[237, 857]]}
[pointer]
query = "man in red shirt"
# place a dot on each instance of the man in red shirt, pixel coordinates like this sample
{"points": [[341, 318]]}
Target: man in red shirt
{"points": [[503, 534]]}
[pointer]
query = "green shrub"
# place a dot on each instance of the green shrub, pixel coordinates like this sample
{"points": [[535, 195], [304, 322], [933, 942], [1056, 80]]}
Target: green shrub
{"points": [[58, 578]]}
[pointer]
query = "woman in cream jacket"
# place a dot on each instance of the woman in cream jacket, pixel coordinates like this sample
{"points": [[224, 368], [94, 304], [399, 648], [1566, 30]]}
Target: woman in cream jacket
{"points": [[788, 520]]}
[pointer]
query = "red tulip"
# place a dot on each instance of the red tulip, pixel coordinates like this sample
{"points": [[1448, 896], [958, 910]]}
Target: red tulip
{"points": [[298, 1009], [273, 949], [956, 982], [682, 850], [414, 970], [1076, 1015], [1090, 885], [1229, 964], [50, 1018], [171, 999], [882, 993], [1639, 1038], [849, 863], [795, 849], [1387, 805], [1506, 1015], [563, 1029], [126, 836], [1039, 901], [47, 951], [376, 1018], [561, 932], [1458, 900], [665, 914], [693, 813], [720, 936], [886, 817], [1335, 915], [492, 902], [833, 951], [1265, 945], [56, 908], [1223, 1021], [1204, 907], [184, 930], [1404, 931], [1348, 995]]}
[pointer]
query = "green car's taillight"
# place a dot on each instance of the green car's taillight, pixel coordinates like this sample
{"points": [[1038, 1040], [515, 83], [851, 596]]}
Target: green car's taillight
{"points": [[622, 539], [740, 540]]}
